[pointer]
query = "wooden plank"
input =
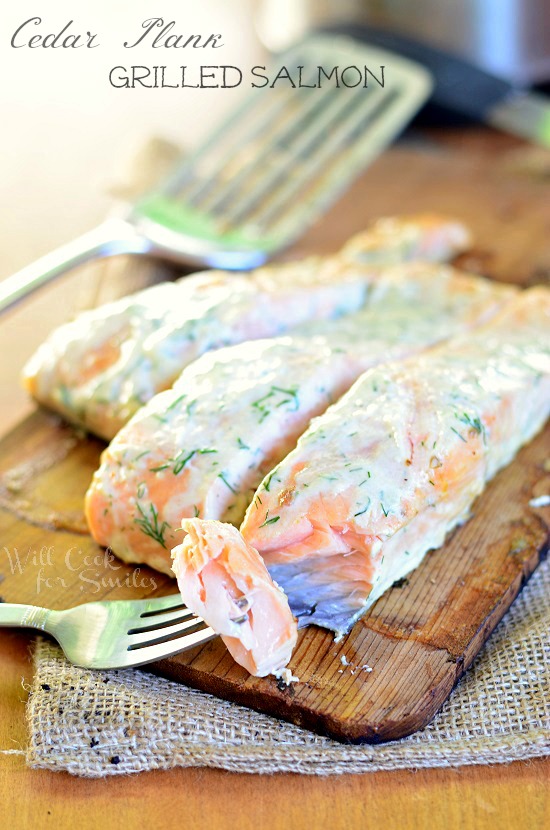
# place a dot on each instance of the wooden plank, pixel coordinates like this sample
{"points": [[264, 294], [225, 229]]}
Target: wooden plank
{"points": [[418, 638]]}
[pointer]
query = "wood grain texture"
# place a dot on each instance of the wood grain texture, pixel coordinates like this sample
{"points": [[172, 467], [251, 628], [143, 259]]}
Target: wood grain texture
{"points": [[419, 637]]}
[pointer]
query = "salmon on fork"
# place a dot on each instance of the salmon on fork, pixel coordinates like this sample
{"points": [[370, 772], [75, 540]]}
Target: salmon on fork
{"points": [[230, 584]]}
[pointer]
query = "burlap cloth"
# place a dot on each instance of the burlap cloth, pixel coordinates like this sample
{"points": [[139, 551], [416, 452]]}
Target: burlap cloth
{"points": [[107, 723]]}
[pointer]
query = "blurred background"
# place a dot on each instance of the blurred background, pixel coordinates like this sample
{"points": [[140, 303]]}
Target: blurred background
{"points": [[68, 136], [508, 38]]}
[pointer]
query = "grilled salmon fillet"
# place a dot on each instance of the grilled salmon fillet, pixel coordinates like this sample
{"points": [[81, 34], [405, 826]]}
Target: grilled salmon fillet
{"points": [[99, 369], [383, 475], [386, 472], [202, 448]]}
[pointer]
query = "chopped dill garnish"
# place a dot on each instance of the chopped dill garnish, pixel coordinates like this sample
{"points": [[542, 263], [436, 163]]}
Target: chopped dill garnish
{"points": [[65, 395], [242, 445], [176, 402], [150, 526], [196, 511], [267, 483], [459, 435], [180, 460], [141, 454], [292, 392], [270, 521], [159, 468], [262, 405], [141, 488], [384, 511], [227, 484], [473, 423]]}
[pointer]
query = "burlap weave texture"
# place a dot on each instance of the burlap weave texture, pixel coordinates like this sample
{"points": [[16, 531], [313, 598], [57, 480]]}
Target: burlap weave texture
{"points": [[107, 723]]}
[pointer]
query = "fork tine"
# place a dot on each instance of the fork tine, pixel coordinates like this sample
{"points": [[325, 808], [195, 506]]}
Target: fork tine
{"points": [[148, 654], [159, 621], [158, 605], [141, 638]]}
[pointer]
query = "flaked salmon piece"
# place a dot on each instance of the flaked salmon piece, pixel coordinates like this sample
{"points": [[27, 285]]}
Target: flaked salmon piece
{"points": [[226, 583], [385, 473], [98, 370], [202, 448]]}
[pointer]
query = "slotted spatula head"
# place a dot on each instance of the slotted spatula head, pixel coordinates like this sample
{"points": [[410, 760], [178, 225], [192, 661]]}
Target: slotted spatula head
{"points": [[288, 151], [319, 114]]}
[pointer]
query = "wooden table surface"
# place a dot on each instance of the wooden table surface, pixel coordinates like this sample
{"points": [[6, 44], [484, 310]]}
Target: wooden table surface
{"points": [[500, 796]]}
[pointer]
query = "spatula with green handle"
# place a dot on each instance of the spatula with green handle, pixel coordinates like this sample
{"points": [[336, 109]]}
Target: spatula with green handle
{"points": [[267, 172]]}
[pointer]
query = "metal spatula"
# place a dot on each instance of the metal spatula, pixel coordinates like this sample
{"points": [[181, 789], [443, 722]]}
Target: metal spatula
{"points": [[268, 171]]}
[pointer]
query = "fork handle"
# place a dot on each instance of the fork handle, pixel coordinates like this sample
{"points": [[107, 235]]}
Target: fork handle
{"points": [[24, 616], [115, 236]]}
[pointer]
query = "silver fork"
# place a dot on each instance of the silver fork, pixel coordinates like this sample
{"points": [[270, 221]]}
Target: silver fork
{"points": [[115, 634], [265, 174]]}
